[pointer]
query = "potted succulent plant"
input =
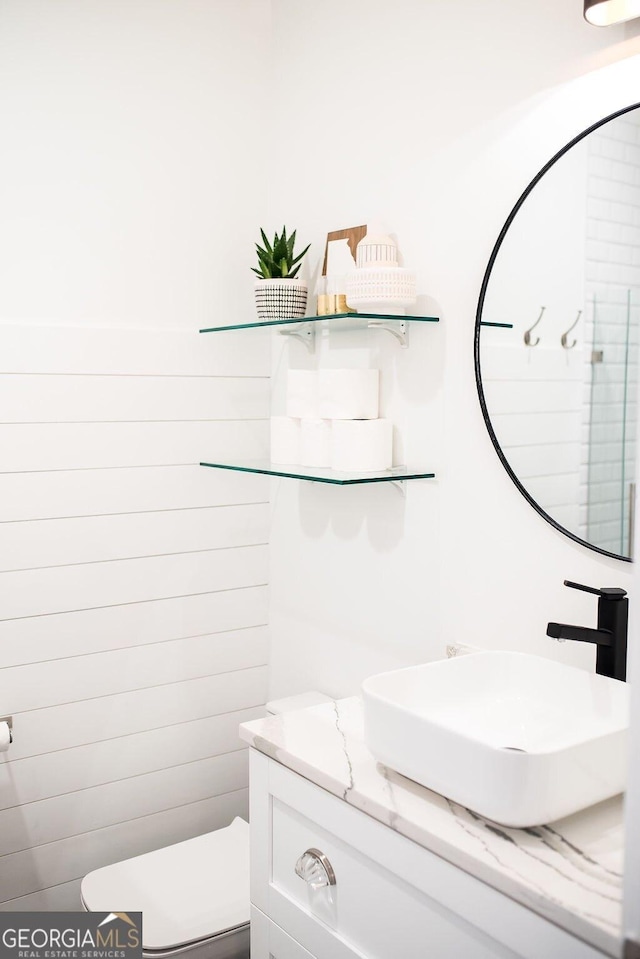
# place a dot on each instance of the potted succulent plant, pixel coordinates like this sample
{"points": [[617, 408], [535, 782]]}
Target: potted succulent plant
{"points": [[279, 294]]}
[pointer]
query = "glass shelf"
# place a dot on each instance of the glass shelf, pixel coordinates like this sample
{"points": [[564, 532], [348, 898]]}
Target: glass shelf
{"points": [[396, 474], [330, 318], [502, 326]]}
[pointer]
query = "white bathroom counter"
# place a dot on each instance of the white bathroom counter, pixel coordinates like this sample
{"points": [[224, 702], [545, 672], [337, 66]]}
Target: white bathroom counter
{"points": [[570, 872]]}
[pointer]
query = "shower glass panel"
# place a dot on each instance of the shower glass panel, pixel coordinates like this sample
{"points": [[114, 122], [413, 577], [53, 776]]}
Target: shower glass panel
{"points": [[612, 384]]}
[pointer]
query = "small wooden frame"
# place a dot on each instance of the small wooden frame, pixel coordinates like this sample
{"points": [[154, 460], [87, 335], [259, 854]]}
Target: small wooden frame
{"points": [[353, 234]]}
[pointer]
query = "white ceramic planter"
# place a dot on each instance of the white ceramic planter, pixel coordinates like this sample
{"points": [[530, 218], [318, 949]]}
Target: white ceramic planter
{"points": [[381, 290], [280, 299]]}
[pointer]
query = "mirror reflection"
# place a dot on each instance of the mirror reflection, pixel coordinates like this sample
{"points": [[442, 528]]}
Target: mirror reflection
{"points": [[560, 386]]}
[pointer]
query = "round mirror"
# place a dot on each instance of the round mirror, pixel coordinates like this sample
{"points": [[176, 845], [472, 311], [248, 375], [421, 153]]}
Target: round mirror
{"points": [[556, 343]]}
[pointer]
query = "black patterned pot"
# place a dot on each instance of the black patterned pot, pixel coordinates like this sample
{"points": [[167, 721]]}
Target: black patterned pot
{"points": [[280, 299]]}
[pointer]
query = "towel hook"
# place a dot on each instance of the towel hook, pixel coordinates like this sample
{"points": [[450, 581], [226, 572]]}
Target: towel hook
{"points": [[527, 336], [563, 339]]}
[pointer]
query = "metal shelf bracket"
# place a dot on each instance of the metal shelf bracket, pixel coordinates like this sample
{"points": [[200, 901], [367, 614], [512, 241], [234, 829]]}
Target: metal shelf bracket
{"points": [[305, 332], [398, 329]]}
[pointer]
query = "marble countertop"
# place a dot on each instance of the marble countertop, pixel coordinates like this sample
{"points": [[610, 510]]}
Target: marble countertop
{"points": [[570, 872]]}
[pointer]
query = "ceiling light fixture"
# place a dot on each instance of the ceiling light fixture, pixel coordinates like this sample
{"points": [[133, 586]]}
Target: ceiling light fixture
{"points": [[603, 13]]}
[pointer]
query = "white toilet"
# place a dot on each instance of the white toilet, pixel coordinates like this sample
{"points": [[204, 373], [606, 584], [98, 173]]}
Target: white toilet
{"points": [[194, 895]]}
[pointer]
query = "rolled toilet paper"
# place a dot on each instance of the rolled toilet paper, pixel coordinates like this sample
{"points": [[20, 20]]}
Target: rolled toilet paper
{"points": [[348, 394], [361, 446], [315, 443], [5, 737], [285, 439], [302, 394]]}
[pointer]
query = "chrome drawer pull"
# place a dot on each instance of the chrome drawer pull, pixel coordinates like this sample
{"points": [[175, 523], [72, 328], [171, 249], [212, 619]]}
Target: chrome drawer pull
{"points": [[314, 867]]}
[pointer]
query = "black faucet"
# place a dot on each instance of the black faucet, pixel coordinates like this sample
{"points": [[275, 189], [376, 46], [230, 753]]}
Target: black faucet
{"points": [[611, 634]]}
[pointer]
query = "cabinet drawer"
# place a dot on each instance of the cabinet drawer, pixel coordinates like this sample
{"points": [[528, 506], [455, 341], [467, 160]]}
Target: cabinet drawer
{"points": [[369, 910], [392, 899], [269, 941]]}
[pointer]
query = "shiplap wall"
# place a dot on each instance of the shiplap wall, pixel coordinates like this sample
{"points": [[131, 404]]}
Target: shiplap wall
{"points": [[132, 581], [132, 595]]}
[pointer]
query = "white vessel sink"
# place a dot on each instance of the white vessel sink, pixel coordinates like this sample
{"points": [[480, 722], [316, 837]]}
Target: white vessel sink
{"points": [[519, 739]]}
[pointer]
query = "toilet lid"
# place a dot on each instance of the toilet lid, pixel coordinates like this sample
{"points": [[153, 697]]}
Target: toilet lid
{"points": [[192, 890]]}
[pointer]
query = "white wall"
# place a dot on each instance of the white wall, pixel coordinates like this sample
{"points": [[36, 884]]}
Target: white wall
{"points": [[433, 118], [129, 188], [631, 912], [534, 393], [132, 581]]}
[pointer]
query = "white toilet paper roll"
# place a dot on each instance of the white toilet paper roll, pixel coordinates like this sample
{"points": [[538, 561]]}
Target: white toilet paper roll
{"points": [[362, 446], [302, 394], [5, 737], [348, 394], [285, 439], [315, 443]]}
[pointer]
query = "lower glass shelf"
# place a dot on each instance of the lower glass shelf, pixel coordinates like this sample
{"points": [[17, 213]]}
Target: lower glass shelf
{"points": [[315, 475]]}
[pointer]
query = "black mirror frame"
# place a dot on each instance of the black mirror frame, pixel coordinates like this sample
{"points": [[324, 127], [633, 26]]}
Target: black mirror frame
{"points": [[478, 330]]}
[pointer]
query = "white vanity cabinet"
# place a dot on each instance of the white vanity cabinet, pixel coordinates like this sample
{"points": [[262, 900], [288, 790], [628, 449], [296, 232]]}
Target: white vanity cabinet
{"points": [[392, 898]]}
